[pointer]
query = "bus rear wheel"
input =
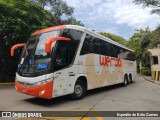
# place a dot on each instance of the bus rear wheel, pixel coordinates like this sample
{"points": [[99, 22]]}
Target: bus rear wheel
{"points": [[79, 90], [125, 81], [130, 78]]}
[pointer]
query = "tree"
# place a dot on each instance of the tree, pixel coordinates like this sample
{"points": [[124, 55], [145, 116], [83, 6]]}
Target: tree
{"points": [[72, 21], [155, 38], [22, 17], [149, 41], [138, 43], [136, 39], [42, 2], [59, 10], [18, 19], [154, 4]]}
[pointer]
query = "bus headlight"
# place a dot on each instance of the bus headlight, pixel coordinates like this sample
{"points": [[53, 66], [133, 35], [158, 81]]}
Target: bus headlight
{"points": [[15, 87], [42, 92], [42, 82]]}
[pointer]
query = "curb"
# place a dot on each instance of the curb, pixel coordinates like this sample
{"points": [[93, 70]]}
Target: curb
{"points": [[7, 84], [150, 80]]}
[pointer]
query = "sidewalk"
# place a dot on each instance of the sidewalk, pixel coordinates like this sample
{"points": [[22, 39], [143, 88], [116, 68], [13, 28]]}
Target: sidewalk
{"points": [[150, 79]]}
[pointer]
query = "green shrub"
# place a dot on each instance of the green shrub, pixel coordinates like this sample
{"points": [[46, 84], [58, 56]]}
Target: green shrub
{"points": [[146, 71]]}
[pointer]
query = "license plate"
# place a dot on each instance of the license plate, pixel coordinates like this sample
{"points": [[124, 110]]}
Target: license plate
{"points": [[24, 91]]}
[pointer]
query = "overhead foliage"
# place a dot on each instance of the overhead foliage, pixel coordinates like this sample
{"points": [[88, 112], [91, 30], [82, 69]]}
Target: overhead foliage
{"points": [[19, 18], [154, 38], [154, 4], [43, 3], [141, 41], [138, 42], [61, 12], [72, 21], [150, 39]]}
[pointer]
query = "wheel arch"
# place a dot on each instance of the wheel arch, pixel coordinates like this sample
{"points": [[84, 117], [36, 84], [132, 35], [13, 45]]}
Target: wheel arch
{"points": [[84, 79], [126, 75], [130, 75], [81, 81]]}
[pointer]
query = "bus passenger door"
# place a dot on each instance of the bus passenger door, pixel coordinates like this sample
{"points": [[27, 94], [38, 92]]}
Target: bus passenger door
{"points": [[61, 66], [72, 77], [60, 82]]}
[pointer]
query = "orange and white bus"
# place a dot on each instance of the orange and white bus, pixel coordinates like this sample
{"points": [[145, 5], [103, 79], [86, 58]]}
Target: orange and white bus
{"points": [[70, 59]]}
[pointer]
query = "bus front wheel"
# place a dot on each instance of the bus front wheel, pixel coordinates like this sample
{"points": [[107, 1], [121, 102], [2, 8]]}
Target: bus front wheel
{"points": [[79, 90]]}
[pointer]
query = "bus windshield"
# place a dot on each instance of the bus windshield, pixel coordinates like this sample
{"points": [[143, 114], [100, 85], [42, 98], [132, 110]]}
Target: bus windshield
{"points": [[34, 59]]}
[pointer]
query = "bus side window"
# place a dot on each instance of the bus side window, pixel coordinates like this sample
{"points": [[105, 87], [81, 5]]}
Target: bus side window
{"points": [[103, 49], [88, 45], [91, 44], [116, 51], [111, 50], [61, 54], [107, 47], [66, 50], [96, 46], [72, 46]]}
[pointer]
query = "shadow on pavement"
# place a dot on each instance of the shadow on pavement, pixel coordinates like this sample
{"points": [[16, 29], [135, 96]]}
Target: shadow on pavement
{"points": [[66, 99], [48, 102]]}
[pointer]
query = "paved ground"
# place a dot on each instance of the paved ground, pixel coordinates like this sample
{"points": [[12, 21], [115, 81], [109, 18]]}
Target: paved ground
{"points": [[149, 78], [141, 95]]}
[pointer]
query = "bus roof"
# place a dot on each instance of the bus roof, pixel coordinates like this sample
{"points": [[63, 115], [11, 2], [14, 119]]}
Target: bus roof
{"points": [[81, 29], [49, 29]]}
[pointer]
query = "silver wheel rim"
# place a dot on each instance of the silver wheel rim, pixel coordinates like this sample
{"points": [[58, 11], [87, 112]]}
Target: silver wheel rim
{"points": [[78, 90], [125, 81]]}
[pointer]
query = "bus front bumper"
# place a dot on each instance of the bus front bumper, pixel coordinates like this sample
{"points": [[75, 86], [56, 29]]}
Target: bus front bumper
{"points": [[42, 91]]}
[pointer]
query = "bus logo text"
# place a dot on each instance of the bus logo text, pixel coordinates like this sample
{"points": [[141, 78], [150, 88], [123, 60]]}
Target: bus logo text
{"points": [[105, 61]]}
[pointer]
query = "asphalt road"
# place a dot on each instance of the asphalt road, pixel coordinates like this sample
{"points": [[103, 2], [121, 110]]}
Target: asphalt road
{"points": [[141, 95]]}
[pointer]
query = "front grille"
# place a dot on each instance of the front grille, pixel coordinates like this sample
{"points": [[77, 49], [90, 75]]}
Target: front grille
{"points": [[24, 83], [21, 83]]}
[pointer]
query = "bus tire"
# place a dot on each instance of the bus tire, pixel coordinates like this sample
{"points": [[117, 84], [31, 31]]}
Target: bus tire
{"points": [[79, 90], [130, 78], [125, 81]]}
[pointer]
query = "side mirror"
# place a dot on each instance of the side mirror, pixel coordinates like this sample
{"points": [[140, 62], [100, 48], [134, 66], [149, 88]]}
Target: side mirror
{"points": [[15, 47], [49, 42]]}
